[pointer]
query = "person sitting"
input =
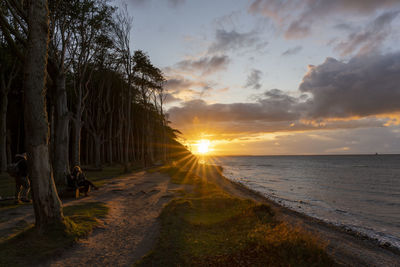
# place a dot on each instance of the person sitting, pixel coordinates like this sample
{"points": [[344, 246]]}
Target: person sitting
{"points": [[19, 171], [77, 180]]}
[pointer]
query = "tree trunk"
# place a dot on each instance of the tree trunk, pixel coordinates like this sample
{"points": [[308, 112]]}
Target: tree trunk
{"points": [[110, 141], [61, 135], [3, 129], [97, 153], [76, 144], [9, 142], [47, 205]]}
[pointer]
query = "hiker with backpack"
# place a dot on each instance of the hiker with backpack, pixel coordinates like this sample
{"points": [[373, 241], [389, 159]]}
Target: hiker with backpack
{"points": [[19, 171]]}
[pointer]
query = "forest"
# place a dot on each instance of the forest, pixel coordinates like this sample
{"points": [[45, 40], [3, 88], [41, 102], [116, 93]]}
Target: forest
{"points": [[74, 93]]}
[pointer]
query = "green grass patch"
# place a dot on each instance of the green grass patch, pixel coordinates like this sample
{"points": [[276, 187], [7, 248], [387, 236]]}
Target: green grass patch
{"points": [[28, 248], [207, 227]]}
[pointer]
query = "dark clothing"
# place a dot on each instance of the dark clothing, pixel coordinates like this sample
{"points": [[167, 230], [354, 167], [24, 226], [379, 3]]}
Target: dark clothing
{"points": [[22, 188], [22, 166], [22, 183], [78, 180]]}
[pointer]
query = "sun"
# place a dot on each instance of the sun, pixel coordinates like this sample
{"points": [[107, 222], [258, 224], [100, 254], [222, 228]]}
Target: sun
{"points": [[203, 146]]}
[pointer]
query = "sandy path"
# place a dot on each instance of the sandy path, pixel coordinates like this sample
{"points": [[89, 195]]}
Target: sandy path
{"points": [[345, 248], [127, 233], [130, 229]]}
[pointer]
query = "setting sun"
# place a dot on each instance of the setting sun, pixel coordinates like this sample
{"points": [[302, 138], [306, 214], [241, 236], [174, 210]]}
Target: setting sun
{"points": [[203, 146]]}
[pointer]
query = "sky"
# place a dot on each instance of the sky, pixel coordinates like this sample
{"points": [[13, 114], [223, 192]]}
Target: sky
{"points": [[277, 77]]}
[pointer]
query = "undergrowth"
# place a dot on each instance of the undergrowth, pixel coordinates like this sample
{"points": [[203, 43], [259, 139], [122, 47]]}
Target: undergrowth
{"points": [[208, 227]]}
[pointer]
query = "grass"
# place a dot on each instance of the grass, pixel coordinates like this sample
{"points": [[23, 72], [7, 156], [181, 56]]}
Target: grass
{"points": [[28, 248], [207, 227]]}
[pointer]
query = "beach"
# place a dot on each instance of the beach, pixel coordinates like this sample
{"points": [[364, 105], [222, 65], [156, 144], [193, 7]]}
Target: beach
{"points": [[346, 247]]}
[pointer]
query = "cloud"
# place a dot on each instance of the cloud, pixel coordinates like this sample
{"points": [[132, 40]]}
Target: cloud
{"points": [[292, 51], [351, 141], [273, 106], [139, 2], [233, 40], [344, 27], [171, 3], [179, 88], [205, 65], [253, 80], [176, 3], [302, 14], [370, 38], [366, 85], [363, 92]]}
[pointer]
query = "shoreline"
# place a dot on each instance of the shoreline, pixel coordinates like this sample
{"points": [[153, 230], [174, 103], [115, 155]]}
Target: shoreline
{"points": [[346, 246], [341, 227]]}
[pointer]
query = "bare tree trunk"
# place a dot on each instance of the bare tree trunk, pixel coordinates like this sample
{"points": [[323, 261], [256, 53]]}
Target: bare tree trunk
{"points": [[97, 151], [47, 205], [51, 142], [110, 142], [76, 144], [61, 135], [3, 129], [9, 156]]}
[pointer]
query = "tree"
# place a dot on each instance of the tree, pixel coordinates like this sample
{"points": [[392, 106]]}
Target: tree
{"points": [[90, 31], [61, 17], [122, 29], [8, 72], [47, 205]]}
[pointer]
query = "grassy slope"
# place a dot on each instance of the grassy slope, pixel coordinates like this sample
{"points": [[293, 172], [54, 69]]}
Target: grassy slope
{"points": [[209, 227]]}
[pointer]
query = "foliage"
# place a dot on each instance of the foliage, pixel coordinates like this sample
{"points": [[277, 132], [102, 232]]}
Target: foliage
{"points": [[208, 227]]}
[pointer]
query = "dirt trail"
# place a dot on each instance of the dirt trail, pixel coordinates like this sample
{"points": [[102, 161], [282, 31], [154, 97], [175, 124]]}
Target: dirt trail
{"points": [[130, 229]]}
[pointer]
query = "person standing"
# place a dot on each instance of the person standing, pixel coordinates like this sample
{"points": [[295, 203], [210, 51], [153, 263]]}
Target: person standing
{"points": [[22, 183]]}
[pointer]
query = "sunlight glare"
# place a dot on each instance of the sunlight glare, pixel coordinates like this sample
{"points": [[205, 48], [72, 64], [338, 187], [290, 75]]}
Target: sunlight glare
{"points": [[203, 146]]}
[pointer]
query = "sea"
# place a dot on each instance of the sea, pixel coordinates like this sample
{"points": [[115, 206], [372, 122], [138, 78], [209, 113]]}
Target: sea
{"points": [[358, 192]]}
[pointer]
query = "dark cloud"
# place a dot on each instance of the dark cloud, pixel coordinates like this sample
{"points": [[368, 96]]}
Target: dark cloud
{"points": [[170, 98], [179, 84], [233, 40], [304, 13], [292, 51], [273, 106], [366, 85], [370, 38], [253, 80], [335, 94], [206, 65]]}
